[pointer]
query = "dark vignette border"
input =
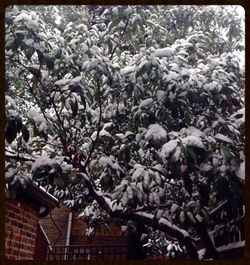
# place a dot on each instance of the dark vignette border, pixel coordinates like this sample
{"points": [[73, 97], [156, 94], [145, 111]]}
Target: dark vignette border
{"points": [[243, 3]]}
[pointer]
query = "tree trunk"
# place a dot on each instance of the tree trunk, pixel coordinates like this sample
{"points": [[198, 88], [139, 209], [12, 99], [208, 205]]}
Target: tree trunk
{"points": [[207, 241]]}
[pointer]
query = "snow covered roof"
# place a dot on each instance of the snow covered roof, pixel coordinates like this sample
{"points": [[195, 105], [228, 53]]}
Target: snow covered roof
{"points": [[232, 245], [41, 197]]}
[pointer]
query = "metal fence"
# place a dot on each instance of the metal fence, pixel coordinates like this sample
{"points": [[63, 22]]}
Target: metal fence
{"points": [[80, 252]]}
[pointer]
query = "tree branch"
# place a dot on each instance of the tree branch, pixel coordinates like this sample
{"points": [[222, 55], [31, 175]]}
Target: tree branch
{"points": [[144, 218], [20, 158]]}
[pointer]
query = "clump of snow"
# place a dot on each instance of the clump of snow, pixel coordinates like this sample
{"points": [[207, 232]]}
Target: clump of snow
{"points": [[62, 82], [194, 132], [223, 138], [172, 76], [35, 116], [89, 231], [231, 246], [10, 173], [240, 172], [146, 103], [41, 161], [127, 70], [160, 95], [11, 101], [156, 132], [39, 120], [192, 141], [168, 148], [33, 25], [104, 133], [22, 16], [199, 218], [105, 161], [138, 173], [177, 153], [174, 207], [201, 253], [164, 52], [206, 167]]}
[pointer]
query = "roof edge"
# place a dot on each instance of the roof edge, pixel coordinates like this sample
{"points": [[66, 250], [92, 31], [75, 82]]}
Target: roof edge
{"points": [[40, 195]]}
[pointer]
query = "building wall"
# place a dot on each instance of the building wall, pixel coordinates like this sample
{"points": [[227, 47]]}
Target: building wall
{"points": [[56, 236], [106, 238], [77, 237], [42, 245], [21, 220]]}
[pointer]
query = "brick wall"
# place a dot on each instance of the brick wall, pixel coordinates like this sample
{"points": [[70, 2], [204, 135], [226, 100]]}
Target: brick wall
{"points": [[60, 217], [105, 238], [41, 245], [21, 220]]}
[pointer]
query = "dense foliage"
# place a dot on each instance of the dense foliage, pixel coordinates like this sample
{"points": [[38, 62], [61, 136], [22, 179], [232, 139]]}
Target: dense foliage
{"points": [[129, 113]]}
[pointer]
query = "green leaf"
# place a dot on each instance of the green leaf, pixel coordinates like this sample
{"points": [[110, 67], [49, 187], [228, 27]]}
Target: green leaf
{"points": [[40, 57], [25, 133], [36, 72], [188, 184], [204, 194], [19, 124], [58, 53], [7, 86], [58, 182], [29, 52], [11, 132], [142, 70], [74, 107], [191, 155], [83, 100], [226, 154], [49, 62], [107, 182], [57, 168]]}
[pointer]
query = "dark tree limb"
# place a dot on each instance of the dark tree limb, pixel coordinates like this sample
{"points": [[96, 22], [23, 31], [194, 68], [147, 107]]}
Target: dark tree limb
{"points": [[206, 239], [144, 218]]}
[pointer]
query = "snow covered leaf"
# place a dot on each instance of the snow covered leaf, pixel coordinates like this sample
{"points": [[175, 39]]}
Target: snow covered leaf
{"points": [[156, 132], [164, 52], [146, 103], [192, 141], [168, 148], [223, 138], [174, 208], [240, 172], [138, 173]]}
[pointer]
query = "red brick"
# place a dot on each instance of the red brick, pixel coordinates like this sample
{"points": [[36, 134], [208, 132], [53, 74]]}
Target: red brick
{"points": [[26, 240], [11, 257], [16, 237]]}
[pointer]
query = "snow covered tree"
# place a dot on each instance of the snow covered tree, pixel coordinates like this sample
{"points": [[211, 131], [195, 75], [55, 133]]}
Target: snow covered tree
{"points": [[129, 113]]}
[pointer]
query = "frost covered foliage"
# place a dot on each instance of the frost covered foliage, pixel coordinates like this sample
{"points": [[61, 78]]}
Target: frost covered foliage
{"points": [[129, 113]]}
